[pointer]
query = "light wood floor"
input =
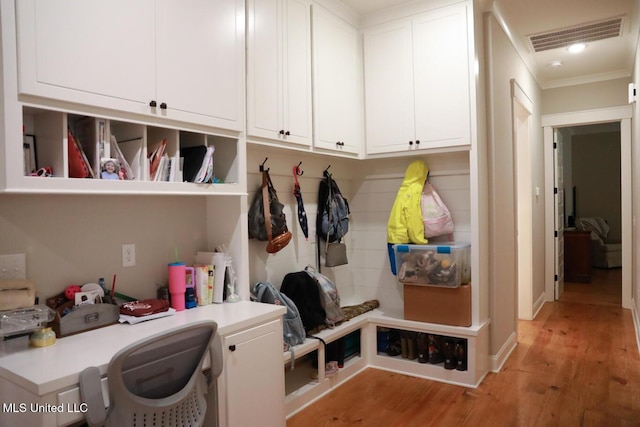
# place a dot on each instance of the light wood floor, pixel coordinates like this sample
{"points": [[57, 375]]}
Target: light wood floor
{"points": [[576, 364]]}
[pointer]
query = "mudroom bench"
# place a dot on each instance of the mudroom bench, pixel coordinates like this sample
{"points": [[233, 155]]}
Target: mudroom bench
{"points": [[305, 380]]}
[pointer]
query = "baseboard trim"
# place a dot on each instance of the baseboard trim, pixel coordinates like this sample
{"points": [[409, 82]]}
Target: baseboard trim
{"points": [[498, 360], [636, 321], [537, 306]]}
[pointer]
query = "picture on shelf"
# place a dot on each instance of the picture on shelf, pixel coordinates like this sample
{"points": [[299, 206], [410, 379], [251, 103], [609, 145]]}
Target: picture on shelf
{"points": [[30, 161], [109, 169]]}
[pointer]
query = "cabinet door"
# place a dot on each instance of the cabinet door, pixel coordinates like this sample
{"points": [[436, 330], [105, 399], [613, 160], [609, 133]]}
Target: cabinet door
{"points": [[297, 68], [279, 70], [264, 62], [389, 99], [254, 376], [441, 61], [200, 56], [90, 52], [337, 80]]}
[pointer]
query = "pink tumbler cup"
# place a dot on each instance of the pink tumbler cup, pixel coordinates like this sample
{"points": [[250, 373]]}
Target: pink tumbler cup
{"points": [[177, 284]]}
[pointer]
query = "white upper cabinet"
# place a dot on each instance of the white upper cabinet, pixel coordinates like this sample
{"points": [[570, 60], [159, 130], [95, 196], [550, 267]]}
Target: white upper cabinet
{"points": [[417, 86], [279, 71], [337, 83], [200, 61], [184, 58]]}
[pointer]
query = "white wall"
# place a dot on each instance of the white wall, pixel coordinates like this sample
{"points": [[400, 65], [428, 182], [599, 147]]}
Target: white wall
{"points": [[504, 65], [299, 252], [609, 93], [77, 239], [635, 148]]}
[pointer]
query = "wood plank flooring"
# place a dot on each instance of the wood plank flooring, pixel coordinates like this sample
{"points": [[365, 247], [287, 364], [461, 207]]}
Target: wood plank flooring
{"points": [[576, 364]]}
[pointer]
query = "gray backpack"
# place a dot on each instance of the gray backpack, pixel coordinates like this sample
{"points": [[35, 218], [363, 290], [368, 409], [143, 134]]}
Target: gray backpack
{"points": [[329, 298], [294, 333]]}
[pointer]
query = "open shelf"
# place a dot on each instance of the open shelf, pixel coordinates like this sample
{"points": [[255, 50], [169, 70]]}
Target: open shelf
{"points": [[53, 133]]}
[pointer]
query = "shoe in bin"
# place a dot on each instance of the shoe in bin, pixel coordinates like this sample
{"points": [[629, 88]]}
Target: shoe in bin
{"points": [[449, 354], [460, 351]]}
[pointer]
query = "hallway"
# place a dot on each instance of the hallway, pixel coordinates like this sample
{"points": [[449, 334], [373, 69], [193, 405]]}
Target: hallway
{"points": [[576, 364], [605, 288]]}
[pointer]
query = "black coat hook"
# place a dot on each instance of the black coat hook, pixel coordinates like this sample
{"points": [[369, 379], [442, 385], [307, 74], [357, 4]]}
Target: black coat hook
{"points": [[262, 165], [299, 172]]}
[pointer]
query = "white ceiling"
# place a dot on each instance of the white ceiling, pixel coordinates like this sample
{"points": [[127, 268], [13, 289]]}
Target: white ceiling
{"points": [[602, 60]]}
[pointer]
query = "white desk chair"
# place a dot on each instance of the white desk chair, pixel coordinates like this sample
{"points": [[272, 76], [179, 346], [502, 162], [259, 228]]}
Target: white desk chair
{"points": [[157, 381]]}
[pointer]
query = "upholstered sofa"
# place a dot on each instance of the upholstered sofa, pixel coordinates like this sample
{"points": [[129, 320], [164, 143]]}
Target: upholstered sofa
{"points": [[604, 252]]}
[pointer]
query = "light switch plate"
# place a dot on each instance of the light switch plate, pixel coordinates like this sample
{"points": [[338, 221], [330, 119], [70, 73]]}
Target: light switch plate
{"points": [[13, 266]]}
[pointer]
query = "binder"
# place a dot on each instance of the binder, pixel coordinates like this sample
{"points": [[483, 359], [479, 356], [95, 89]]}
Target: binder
{"points": [[78, 164], [193, 158]]}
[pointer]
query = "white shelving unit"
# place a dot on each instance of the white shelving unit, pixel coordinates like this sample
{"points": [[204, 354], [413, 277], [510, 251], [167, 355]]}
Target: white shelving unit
{"points": [[305, 383], [49, 128]]}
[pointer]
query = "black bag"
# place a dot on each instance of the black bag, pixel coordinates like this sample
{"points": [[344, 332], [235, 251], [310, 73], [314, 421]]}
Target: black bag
{"points": [[303, 291], [274, 231]]}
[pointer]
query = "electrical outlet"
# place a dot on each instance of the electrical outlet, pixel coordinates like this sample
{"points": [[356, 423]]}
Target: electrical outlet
{"points": [[129, 255], [13, 266]]}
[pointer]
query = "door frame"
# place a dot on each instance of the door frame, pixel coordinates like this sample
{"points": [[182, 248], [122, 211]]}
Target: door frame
{"points": [[522, 111], [623, 116]]}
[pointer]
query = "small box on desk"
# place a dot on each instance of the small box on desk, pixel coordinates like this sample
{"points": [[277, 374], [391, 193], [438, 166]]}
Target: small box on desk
{"points": [[69, 320], [432, 304], [85, 318], [444, 264]]}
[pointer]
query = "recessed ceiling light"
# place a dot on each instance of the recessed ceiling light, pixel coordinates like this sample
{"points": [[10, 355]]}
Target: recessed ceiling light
{"points": [[555, 64], [577, 47]]}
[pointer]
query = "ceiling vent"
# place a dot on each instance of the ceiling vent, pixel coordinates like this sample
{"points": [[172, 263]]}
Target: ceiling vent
{"points": [[584, 33]]}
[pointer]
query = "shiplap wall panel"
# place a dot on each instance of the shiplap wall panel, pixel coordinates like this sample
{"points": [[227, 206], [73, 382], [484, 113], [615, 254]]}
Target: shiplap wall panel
{"points": [[371, 187]]}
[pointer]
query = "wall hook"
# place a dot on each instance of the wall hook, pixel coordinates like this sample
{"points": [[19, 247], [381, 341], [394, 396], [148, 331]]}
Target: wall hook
{"points": [[299, 171], [262, 165]]}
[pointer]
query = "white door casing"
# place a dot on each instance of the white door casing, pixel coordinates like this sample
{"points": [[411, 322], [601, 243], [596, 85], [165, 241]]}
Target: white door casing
{"points": [[622, 115]]}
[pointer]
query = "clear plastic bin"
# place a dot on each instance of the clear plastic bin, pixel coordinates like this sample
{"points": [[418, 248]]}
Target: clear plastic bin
{"points": [[445, 264], [24, 320]]}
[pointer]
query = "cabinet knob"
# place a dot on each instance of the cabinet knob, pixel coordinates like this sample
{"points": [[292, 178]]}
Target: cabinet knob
{"points": [[232, 347], [281, 132], [410, 142], [287, 133], [163, 106], [417, 142], [153, 104]]}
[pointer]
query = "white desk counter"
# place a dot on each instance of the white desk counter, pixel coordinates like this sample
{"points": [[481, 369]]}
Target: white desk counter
{"points": [[41, 373]]}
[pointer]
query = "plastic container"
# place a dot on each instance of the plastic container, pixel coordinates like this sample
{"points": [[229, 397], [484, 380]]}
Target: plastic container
{"points": [[24, 320], [446, 265]]}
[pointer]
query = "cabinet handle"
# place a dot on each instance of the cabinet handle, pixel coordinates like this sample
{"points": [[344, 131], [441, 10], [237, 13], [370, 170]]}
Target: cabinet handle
{"points": [[153, 104], [287, 133], [163, 106], [281, 132], [232, 347]]}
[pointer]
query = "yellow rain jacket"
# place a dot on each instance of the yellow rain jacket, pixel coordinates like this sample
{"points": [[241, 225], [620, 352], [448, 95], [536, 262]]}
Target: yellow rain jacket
{"points": [[405, 221]]}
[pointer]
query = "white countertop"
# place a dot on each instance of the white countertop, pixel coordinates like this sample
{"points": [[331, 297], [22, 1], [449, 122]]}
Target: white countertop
{"points": [[47, 369]]}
